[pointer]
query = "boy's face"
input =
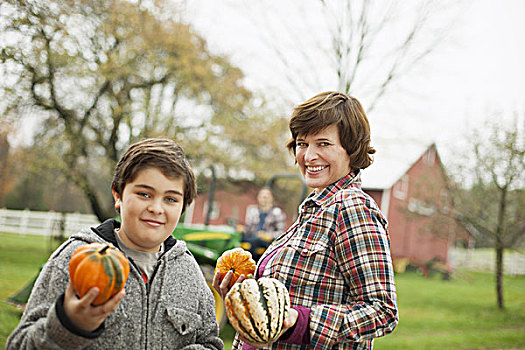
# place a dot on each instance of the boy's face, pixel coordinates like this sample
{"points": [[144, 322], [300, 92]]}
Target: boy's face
{"points": [[150, 208]]}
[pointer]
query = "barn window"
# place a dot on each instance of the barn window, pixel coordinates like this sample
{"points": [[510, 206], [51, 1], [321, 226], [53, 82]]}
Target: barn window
{"points": [[188, 214], [444, 200], [430, 156], [401, 188], [420, 207], [233, 220], [251, 209], [214, 210]]}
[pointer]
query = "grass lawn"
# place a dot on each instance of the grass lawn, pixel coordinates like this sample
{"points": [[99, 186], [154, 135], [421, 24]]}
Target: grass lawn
{"points": [[20, 259], [434, 314], [457, 314]]}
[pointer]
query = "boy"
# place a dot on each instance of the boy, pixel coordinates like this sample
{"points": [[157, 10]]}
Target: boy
{"points": [[166, 303]]}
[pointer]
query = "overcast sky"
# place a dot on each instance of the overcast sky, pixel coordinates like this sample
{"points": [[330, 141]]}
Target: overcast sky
{"points": [[476, 72]]}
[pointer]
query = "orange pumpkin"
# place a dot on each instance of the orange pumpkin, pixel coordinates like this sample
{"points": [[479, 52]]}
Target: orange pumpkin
{"points": [[98, 265], [239, 261]]}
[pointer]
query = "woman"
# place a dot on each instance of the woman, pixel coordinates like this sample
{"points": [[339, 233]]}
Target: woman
{"points": [[335, 259]]}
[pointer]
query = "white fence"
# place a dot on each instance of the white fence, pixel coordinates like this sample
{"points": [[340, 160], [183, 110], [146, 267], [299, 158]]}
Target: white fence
{"points": [[485, 260], [45, 223], [52, 223]]}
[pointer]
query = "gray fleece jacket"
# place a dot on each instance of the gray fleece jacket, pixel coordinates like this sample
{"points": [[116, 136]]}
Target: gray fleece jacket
{"points": [[174, 310]]}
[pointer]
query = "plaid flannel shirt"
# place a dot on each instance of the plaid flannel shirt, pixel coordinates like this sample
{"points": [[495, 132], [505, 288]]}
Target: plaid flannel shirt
{"points": [[335, 259]]}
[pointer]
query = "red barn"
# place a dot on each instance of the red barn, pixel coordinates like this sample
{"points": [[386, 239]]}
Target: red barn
{"points": [[230, 203], [409, 185]]}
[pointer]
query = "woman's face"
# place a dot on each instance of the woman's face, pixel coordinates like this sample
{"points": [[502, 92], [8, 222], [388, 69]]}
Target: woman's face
{"points": [[321, 157]]}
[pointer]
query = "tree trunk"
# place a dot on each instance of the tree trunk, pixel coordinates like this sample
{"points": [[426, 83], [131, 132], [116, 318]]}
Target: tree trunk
{"points": [[4, 152], [499, 274], [500, 245], [100, 212]]}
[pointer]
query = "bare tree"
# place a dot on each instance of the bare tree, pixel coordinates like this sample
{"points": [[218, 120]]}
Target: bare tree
{"points": [[360, 46], [101, 74], [5, 161], [489, 189]]}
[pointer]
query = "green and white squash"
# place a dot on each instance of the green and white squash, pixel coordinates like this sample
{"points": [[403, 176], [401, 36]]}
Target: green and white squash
{"points": [[258, 308]]}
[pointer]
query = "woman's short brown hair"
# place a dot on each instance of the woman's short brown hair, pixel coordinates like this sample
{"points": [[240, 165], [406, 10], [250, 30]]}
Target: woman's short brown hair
{"points": [[162, 154], [346, 112]]}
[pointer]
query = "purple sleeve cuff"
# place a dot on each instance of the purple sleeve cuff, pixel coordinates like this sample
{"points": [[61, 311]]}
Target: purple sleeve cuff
{"points": [[298, 334]]}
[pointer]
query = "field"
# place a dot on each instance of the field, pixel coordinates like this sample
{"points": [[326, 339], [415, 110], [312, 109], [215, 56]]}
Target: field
{"points": [[434, 314]]}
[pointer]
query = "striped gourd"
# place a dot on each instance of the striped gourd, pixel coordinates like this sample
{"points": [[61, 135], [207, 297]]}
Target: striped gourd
{"points": [[257, 309]]}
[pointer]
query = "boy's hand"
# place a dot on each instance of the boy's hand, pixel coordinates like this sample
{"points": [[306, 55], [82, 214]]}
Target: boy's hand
{"points": [[222, 286], [84, 315]]}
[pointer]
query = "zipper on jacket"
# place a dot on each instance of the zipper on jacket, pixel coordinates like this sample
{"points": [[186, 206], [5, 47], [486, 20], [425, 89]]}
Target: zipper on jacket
{"points": [[146, 342], [147, 300], [148, 288], [152, 275], [155, 269]]}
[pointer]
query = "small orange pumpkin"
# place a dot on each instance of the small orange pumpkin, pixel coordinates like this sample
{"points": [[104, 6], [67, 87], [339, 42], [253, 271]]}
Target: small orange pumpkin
{"points": [[98, 265], [239, 261]]}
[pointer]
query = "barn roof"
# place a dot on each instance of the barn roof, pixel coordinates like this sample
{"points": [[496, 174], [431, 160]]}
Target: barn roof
{"points": [[391, 162]]}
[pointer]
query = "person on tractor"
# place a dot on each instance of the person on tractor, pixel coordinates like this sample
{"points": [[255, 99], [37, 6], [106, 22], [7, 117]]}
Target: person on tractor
{"points": [[263, 224]]}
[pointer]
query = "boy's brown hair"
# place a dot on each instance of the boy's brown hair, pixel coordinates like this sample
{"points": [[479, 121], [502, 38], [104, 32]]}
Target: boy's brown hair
{"points": [[162, 154], [346, 112]]}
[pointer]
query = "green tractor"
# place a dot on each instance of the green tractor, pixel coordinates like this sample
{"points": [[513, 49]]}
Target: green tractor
{"points": [[208, 244]]}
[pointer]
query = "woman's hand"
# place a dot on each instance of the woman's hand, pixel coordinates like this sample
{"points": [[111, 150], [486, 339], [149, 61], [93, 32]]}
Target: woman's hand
{"points": [[221, 286], [288, 323], [84, 315], [290, 320]]}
